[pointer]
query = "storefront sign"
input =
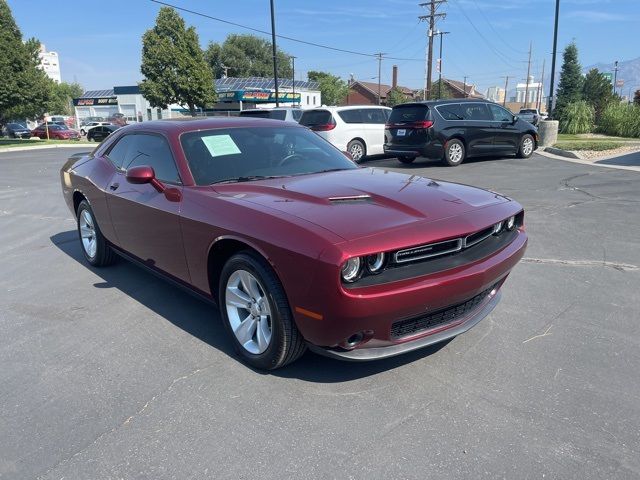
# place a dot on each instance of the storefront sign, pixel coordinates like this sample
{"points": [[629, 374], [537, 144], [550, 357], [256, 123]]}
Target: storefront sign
{"points": [[90, 102], [258, 96]]}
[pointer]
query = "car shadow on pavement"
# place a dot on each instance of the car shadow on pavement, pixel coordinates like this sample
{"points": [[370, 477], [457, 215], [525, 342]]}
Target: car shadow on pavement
{"points": [[427, 162], [629, 160], [201, 319]]}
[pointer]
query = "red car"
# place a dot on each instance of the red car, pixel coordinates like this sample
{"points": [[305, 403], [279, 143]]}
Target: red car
{"points": [[297, 244], [56, 132]]}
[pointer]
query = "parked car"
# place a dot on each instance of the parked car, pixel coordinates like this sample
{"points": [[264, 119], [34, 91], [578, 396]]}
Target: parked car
{"points": [[88, 126], [531, 115], [296, 244], [63, 120], [453, 130], [86, 120], [101, 132], [288, 114], [358, 130], [56, 132], [16, 130]]}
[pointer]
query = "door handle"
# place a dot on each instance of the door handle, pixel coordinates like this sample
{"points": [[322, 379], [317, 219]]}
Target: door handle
{"points": [[114, 186]]}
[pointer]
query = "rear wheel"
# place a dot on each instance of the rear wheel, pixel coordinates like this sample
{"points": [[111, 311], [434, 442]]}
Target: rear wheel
{"points": [[357, 150], [406, 160], [94, 246], [454, 153], [526, 146], [256, 313]]}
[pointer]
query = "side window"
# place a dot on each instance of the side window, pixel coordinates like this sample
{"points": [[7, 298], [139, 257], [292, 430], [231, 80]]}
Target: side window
{"points": [[452, 111], [296, 115], [476, 111], [351, 116], [152, 150], [500, 114], [119, 152], [373, 115]]}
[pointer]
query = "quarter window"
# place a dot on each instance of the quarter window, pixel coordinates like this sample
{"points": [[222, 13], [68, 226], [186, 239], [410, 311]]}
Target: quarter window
{"points": [[373, 115], [452, 111], [475, 111], [351, 116]]}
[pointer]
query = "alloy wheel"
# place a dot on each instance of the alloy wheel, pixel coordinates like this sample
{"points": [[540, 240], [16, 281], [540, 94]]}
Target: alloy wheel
{"points": [[248, 311], [356, 151], [455, 153], [88, 234], [527, 146]]}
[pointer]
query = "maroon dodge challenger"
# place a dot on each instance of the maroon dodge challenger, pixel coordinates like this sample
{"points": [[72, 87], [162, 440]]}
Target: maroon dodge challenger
{"points": [[299, 246]]}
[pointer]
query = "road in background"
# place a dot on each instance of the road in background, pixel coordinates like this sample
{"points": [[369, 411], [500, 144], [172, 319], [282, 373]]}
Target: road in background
{"points": [[113, 373]]}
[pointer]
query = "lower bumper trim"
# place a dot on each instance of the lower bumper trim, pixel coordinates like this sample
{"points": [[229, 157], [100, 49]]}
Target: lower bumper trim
{"points": [[365, 354]]}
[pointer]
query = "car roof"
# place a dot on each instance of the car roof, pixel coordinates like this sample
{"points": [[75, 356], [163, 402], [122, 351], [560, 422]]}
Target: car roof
{"points": [[445, 101], [346, 107], [189, 124]]}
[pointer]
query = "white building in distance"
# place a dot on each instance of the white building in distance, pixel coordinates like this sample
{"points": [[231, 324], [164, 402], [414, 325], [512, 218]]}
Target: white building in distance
{"points": [[50, 63], [535, 90], [496, 94]]}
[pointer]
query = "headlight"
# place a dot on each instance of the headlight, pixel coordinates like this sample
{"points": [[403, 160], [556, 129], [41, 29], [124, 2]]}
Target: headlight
{"points": [[375, 262], [351, 269], [497, 228], [511, 222]]}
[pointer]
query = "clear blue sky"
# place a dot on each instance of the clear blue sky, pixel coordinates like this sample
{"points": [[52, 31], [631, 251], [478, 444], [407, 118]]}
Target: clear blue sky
{"points": [[99, 42]]}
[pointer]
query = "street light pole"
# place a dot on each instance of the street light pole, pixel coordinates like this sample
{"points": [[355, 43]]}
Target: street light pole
{"points": [[615, 76], [553, 58], [440, 72], [293, 80], [275, 57]]}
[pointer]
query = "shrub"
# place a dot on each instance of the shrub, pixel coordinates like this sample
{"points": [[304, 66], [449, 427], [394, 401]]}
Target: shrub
{"points": [[577, 117], [621, 120]]}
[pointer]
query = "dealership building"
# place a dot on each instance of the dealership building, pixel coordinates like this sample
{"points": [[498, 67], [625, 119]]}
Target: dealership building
{"points": [[234, 95]]}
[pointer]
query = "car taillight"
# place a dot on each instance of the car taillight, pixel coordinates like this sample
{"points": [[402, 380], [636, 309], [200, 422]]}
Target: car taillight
{"points": [[423, 124], [324, 127]]}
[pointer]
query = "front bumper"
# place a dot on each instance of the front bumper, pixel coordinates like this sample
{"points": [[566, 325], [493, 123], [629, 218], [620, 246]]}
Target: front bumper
{"points": [[439, 334]]}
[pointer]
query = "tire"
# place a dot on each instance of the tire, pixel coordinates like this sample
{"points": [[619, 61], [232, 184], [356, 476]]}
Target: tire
{"points": [[357, 150], [527, 146], [406, 160], [454, 153], [247, 277], [94, 246], [82, 132]]}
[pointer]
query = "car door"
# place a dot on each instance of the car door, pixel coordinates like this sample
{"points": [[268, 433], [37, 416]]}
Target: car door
{"points": [[478, 132], [506, 136], [146, 222], [373, 121]]}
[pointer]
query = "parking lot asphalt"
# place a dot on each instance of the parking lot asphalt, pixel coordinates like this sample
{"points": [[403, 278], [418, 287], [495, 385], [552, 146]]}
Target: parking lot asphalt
{"points": [[113, 373]]}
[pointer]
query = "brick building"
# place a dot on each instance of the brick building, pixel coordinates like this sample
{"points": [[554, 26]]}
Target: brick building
{"points": [[366, 93]]}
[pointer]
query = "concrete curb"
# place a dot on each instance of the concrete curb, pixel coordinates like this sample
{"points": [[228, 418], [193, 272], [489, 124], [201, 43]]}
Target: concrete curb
{"points": [[42, 147], [562, 153], [548, 154]]}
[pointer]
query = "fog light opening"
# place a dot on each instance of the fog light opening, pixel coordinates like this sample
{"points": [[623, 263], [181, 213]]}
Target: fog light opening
{"points": [[353, 341]]}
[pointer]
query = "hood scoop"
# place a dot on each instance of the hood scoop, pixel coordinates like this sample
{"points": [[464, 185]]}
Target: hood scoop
{"points": [[350, 199]]}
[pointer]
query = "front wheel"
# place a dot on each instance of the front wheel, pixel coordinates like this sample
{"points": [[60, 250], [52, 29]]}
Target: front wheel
{"points": [[94, 246], [357, 150], [526, 146], [256, 313], [454, 153]]}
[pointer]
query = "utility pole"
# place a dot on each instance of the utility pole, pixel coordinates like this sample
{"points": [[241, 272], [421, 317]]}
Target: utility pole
{"points": [[541, 88], [464, 87], [440, 72], [379, 55], [526, 88], [275, 57], [615, 76], [433, 6], [293, 80], [553, 59], [506, 86]]}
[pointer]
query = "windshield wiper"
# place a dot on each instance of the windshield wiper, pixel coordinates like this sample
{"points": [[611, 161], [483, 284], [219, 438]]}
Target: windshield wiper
{"points": [[247, 178]]}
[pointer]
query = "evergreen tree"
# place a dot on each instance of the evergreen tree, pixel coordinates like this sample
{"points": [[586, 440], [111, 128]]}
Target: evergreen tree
{"points": [[173, 65], [333, 90], [246, 56], [597, 92], [25, 89], [571, 80], [396, 97]]}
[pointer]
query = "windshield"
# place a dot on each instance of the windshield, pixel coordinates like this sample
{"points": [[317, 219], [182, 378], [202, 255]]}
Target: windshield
{"points": [[408, 113], [242, 154]]}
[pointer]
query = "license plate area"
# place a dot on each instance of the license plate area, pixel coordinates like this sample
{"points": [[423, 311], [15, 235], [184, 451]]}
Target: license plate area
{"points": [[401, 132]]}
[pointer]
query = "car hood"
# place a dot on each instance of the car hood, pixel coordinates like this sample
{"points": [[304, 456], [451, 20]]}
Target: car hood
{"points": [[362, 202]]}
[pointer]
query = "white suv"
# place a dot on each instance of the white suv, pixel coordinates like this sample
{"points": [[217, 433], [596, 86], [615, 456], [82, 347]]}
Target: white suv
{"points": [[357, 129]]}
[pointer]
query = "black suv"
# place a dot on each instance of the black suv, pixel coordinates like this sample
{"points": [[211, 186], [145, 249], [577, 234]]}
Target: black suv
{"points": [[455, 129]]}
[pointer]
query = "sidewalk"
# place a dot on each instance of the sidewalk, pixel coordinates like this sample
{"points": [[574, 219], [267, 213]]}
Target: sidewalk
{"points": [[88, 146], [629, 161]]}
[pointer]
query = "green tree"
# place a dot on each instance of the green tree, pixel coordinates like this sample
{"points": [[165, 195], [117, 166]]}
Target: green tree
{"points": [[333, 89], [24, 87], [438, 92], [61, 96], [596, 90], [246, 56], [173, 65], [571, 80], [396, 97]]}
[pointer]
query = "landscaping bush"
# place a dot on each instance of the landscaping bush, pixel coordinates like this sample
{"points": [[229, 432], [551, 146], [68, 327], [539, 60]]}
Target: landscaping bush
{"points": [[577, 117], [621, 120]]}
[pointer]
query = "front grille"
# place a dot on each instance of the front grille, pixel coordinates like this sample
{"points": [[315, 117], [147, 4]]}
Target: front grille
{"points": [[430, 250], [411, 326]]}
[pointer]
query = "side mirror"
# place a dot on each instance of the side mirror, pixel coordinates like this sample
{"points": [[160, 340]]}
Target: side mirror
{"points": [[144, 174]]}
